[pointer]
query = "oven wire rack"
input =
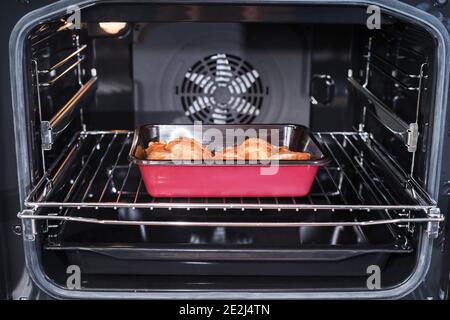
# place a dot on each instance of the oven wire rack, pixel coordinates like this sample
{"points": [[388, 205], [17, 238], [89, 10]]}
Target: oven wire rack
{"points": [[95, 173]]}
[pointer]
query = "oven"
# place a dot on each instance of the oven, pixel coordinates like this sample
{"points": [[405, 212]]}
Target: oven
{"points": [[370, 80]]}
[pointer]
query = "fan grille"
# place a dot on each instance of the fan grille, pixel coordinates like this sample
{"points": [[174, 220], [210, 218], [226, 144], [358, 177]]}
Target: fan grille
{"points": [[222, 88]]}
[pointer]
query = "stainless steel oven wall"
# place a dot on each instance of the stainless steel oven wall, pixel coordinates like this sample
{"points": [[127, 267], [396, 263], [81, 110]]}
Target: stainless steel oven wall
{"points": [[19, 93]]}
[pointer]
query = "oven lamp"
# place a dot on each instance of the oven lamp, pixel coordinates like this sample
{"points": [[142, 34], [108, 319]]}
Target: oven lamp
{"points": [[112, 27]]}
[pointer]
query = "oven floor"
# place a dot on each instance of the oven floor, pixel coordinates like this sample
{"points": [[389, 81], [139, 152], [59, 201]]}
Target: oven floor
{"points": [[209, 251]]}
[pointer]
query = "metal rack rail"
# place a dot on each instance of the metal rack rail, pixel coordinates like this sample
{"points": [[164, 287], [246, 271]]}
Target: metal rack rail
{"points": [[409, 82], [95, 174], [71, 64]]}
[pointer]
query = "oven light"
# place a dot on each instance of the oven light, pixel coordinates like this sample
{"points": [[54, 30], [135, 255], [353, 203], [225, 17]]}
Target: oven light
{"points": [[112, 27]]}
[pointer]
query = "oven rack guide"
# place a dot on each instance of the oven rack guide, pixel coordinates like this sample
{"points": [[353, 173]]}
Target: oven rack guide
{"points": [[361, 180]]}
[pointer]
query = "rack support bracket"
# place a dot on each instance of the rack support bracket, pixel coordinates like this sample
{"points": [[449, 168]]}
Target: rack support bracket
{"points": [[413, 136], [433, 226], [46, 135], [28, 225]]}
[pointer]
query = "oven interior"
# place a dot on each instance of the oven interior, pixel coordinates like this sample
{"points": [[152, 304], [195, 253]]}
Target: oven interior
{"points": [[367, 94]]}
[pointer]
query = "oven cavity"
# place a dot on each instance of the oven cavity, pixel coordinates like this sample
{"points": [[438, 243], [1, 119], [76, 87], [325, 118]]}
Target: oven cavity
{"points": [[87, 90]]}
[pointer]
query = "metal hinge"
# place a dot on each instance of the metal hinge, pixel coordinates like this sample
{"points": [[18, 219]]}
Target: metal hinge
{"points": [[433, 226], [29, 225], [413, 137], [46, 135]]}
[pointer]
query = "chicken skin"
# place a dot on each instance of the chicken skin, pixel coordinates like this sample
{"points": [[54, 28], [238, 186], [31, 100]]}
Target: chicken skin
{"points": [[157, 151], [178, 149], [184, 148], [228, 153], [284, 153], [188, 149], [255, 149]]}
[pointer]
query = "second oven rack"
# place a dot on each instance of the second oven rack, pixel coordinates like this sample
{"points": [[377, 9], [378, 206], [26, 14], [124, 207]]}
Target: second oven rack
{"points": [[95, 173]]}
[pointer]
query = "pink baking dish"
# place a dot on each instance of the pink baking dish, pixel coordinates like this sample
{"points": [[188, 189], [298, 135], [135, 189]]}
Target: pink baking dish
{"points": [[198, 179]]}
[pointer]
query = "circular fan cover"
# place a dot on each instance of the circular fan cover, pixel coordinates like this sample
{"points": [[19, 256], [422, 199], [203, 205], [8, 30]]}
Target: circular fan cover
{"points": [[222, 88]]}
